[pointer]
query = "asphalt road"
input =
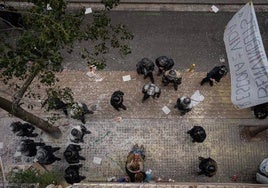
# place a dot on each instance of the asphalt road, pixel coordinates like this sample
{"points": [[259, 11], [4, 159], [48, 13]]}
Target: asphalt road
{"points": [[187, 37]]}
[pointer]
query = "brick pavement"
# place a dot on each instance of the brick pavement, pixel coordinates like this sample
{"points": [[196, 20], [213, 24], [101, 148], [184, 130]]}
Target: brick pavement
{"points": [[169, 150]]}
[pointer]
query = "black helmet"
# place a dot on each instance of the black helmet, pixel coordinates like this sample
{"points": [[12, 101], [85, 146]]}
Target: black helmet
{"points": [[163, 60], [211, 168], [147, 62], [223, 70], [116, 98], [187, 100], [75, 132], [67, 153], [41, 154]]}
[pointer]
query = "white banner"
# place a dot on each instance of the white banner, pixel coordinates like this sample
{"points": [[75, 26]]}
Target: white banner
{"points": [[247, 59]]}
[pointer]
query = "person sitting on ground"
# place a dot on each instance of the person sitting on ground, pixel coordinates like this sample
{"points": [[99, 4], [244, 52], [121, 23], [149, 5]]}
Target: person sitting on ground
{"points": [[216, 74], [163, 63], [146, 67], [78, 133], [71, 154], [55, 103], [262, 174], [207, 166], [198, 134], [184, 105], [150, 90], [45, 155], [23, 129], [72, 174], [79, 110], [172, 76], [261, 111], [117, 100], [27, 147], [134, 164]]}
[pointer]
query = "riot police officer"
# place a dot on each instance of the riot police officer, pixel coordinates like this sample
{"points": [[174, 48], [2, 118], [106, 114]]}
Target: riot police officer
{"points": [[197, 133], [150, 90], [78, 111], [117, 100], [23, 129], [45, 155], [207, 166], [27, 147], [77, 134], [146, 67], [184, 105], [72, 174], [172, 76], [163, 63], [217, 73], [71, 154]]}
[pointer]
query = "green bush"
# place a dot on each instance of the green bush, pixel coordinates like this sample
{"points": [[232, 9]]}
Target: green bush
{"points": [[34, 176]]}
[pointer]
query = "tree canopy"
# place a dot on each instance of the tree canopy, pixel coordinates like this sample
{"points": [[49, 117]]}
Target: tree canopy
{"points": [[32, 49]]}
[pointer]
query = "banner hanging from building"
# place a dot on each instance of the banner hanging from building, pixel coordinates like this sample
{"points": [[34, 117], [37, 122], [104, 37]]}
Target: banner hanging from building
{"points": [[247, 59]]}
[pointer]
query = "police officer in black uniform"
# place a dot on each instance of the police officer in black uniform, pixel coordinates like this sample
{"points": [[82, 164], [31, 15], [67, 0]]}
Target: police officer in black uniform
{"points": [[117, 100], [27, 147], [163, 63], [207, 166], [77, 133], [184, 105], [71, 154], [45, 155], [197, 133], [217, 73], [79, 110], [150, 90], [72, 174], [146, 67], [172, 76], [23, 129]]}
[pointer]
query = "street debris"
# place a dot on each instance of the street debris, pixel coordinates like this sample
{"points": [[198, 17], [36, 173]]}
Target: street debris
{"points": [[88, 11], [118, 119], [97, 160], [197, 98], [126, 78], [214, 9], [166, 110], [191, 68]]}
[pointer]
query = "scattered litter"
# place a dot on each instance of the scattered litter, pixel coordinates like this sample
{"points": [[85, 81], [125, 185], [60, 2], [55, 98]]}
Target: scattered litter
{"points": [[166, 110], [111, 179], [49, 7], [1, 145], [214, 9], [118, 119], [97, 160], [171, 180], [197, 98], [191, 69], [222, 59], [88, 11], [126, 78], [148, 175], [17, 154]]}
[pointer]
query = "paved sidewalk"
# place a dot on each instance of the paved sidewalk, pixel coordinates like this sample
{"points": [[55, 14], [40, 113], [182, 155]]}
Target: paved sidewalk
{"points": [[169, 150]]}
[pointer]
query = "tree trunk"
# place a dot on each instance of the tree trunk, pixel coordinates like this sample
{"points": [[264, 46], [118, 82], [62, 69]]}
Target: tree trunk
{"points": [[255, 130], [31, 118]]}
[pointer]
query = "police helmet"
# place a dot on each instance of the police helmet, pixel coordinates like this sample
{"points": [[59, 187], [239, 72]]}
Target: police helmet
{"points": [[116, 98], [75, 132], [41, 154], [172, 73], [187, 100], [211, 168], [67, 153], [223, 70]]}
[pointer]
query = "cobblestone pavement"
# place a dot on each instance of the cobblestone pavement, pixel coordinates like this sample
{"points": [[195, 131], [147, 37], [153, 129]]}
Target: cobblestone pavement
{"points": [[169, 150]]}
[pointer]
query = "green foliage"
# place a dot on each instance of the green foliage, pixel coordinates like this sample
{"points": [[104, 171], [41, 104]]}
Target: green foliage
{"points": [[34, 176], [35, 50]]}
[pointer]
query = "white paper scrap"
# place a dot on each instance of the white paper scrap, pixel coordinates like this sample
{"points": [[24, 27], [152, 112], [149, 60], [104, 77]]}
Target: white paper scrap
{"points": [[1, 145], [166, 110], [197, 98], [97, 160], [49, 7], [126, 78], [88, 11], [214, 8], [17, 154]]}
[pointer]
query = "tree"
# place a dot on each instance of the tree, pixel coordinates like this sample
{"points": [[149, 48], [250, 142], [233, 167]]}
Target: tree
{"points": [[48, 27]]}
